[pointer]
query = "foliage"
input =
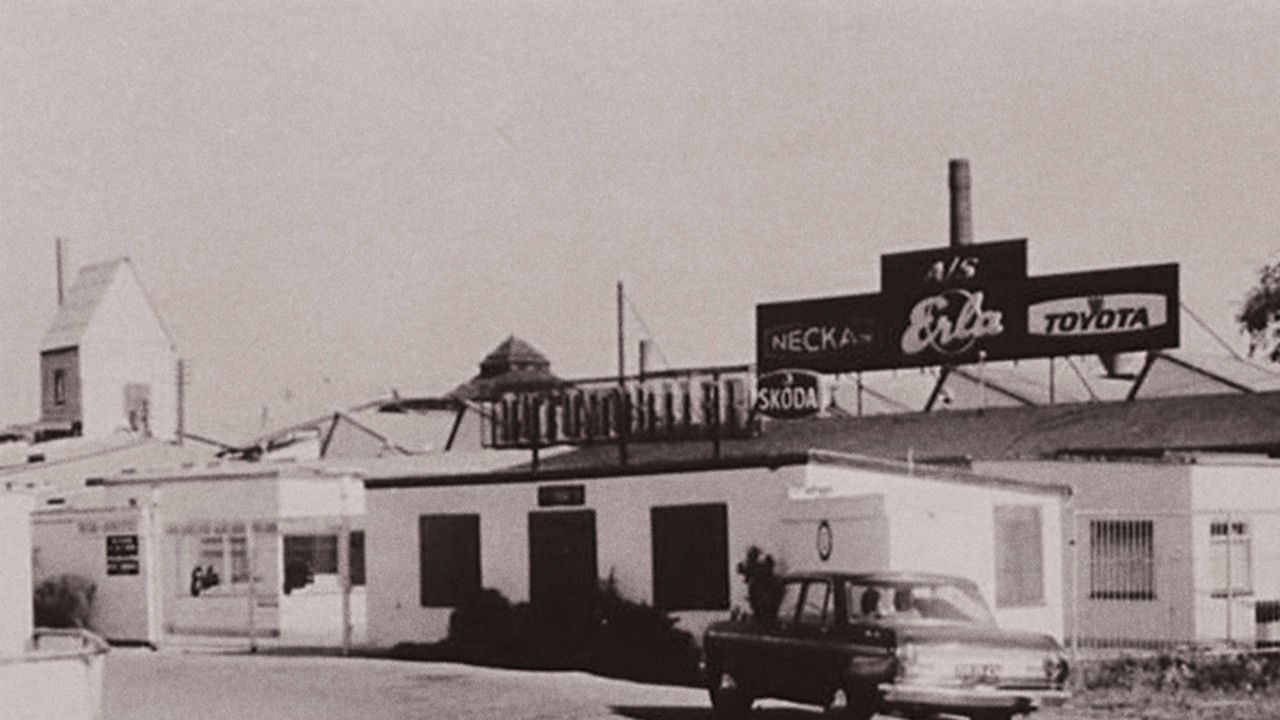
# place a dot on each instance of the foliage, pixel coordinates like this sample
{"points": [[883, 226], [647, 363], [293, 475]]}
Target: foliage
{"points": [[64, 601], [1259, 318], [605, 634], [1183, 670], [764, 586]]}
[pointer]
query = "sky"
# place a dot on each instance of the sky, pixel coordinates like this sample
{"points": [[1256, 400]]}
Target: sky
{"points": [[329, 200]]}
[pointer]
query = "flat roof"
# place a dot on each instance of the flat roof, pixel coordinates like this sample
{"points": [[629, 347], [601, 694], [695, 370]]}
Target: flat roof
{"points": [[771, 461]]}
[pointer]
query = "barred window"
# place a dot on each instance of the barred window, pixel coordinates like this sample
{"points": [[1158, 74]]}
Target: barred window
{"points": [[1122, 560], [1230, 558]]}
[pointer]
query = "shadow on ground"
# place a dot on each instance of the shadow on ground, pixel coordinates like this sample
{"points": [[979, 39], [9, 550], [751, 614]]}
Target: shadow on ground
{"points": [[674, 712]]}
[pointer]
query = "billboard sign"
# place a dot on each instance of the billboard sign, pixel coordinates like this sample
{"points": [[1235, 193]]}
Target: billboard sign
{"points": [[957, 305]]}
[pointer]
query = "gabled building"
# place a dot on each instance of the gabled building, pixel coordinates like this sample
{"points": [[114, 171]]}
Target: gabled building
{"points": [[106, 362]]}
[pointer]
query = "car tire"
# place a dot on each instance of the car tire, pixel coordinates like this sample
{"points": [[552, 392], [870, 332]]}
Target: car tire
{"points": [[729, 700]]}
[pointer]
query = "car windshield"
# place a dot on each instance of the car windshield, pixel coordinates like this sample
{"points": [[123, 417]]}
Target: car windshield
{"points": [[932, 600]]}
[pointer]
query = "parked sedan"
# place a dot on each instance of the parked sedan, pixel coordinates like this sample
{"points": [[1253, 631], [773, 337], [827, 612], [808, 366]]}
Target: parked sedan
{"points": [[906, 644]]}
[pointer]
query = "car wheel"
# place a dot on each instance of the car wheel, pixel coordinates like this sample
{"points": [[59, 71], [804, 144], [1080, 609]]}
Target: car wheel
{"points": [[729, 700], [851, 705]]}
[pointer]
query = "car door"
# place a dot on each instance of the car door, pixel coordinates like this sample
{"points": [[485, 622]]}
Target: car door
{"points": [[818, 657], [769, 665]]}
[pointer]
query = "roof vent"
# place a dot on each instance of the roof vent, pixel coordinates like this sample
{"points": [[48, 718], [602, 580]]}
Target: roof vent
{"points": [[35, 458]]}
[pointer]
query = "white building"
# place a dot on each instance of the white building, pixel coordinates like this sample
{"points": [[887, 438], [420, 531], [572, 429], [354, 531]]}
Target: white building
{"points": [[670, 534], [106, 362]]}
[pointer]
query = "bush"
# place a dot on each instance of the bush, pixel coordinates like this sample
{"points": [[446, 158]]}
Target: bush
{"points": [[1198, 671], [764, 587], [605, 634], [64, 601]]}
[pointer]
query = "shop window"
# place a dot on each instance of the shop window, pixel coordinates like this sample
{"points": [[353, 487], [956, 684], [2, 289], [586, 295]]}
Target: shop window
{"points": [[1122, 560], [1019, 556], [1230, 558], [220, 562], [690, 557], [449, 555]]}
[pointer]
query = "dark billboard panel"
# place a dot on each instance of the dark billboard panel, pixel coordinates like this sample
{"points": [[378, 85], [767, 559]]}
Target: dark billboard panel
{"points": [[950, 305], [1104, 311], [829, 335], [961, 305]]}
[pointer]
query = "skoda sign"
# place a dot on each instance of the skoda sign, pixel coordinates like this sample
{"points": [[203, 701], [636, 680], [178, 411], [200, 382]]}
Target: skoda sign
{"points": [[788, 394]]}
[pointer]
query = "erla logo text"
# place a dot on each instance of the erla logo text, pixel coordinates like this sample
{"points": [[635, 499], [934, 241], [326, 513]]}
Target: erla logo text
{"points": [[950, 323]]}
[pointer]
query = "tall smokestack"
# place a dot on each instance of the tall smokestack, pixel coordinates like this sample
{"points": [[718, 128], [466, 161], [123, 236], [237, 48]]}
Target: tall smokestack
{"points": [[57, 243], [961, 207]]}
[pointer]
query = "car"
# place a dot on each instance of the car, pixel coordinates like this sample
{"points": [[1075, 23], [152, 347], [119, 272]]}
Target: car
{"points": [[908, 644]]}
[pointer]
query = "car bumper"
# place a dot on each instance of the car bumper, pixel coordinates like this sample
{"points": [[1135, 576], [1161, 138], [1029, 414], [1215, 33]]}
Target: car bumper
{"points": [[945, 698]]}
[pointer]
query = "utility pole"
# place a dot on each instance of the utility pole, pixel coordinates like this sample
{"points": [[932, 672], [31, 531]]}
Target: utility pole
{"points": [[624, 409]]}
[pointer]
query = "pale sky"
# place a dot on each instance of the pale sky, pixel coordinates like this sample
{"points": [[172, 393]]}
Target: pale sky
{"points": [[327, 200]]}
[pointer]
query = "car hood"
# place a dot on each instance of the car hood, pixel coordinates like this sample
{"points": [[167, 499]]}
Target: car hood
{"points": [[927, 632]]}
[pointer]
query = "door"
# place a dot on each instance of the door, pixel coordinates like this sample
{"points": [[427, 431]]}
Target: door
{"points": [[562, 559]]}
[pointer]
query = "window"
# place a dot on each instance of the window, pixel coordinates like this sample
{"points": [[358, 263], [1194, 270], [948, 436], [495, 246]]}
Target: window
{"points": [[356, 560], [1122, 560], [222, 560], [449, 552], [1019, 556], [690, 557], [1230, 558], [790, 603], [816, 605], [59, 386]]}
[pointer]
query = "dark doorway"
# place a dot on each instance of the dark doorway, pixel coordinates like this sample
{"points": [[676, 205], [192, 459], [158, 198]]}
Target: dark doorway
{"points": [[562, 559]]}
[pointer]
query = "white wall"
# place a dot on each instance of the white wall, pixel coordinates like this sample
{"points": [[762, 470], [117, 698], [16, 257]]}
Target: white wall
{"points": [[1155, 491], [948, 526], [75, 541], [622, 507], [15, 570], [1248, 492], [126, 343], [777, 510]]}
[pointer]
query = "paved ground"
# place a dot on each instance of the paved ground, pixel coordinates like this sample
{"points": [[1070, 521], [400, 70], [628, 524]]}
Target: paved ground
{"points": [[175, 685]]}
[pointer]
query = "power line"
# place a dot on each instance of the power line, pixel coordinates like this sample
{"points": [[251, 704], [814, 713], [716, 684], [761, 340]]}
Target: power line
{"points": [[648, 332], [1209, 330]]}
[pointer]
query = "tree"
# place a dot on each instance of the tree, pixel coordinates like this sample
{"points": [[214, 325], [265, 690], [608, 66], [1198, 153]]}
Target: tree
{"points": [[1260, 316]]}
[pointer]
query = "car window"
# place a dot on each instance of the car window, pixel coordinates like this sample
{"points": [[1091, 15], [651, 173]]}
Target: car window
{"points": [[917, 601], [817, 600], [790, 601]]}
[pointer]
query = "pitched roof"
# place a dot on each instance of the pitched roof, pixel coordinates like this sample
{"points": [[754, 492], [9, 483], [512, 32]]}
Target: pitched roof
{"points": [[82, 300], [1227, 422]]}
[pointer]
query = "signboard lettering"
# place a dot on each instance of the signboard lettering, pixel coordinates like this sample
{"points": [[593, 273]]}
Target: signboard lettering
{"points": [[1096, 314], [122, 555], [950, 323], [788, 394]]}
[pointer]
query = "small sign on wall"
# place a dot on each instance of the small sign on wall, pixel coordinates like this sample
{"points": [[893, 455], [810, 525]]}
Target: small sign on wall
{"points": [[561, 495], [122, 555]]}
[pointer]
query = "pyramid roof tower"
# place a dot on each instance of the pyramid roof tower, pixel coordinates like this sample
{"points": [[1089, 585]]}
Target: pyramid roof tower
{"points": [[513, 366]]}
